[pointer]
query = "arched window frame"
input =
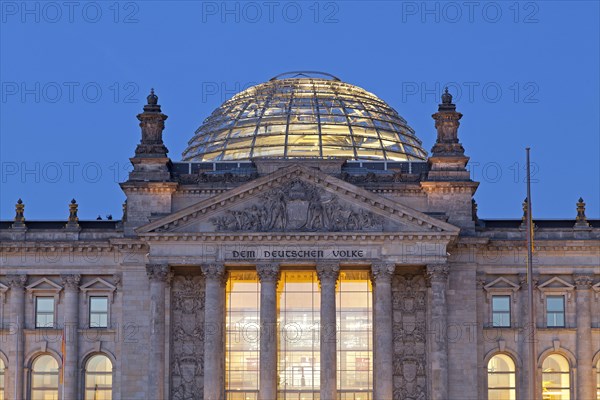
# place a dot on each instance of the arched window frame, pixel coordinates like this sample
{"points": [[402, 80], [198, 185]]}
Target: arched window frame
{"points": [[516, 363], [4, 373], [596, 369], [571, 361], [83, 370], [31, 359]]}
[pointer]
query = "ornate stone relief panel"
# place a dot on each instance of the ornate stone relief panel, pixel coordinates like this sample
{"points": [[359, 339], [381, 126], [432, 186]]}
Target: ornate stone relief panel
{"points": [[298, 206], [187, 337], [410, 365]]}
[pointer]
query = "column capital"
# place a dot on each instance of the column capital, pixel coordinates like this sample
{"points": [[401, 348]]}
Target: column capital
{"points": [[214, 271], [71, 282], [17, 281], [436, 273], [268, 272], [328, 271], [158, 272], [583, 282], [382, 271]]}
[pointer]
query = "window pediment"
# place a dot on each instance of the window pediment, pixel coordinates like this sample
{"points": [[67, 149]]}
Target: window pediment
{"points": [[556, 286], [98, 286], [44, 286], [501, 286]]}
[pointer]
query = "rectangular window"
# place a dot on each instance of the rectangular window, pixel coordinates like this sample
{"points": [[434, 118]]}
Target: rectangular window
{"points": [[354, 335], [242, 336], [501, 311], [44, 312], [555, 311], [99, 312]]}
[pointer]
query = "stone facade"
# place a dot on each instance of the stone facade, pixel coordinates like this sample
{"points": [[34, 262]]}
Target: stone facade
{"points": [[163, 267]]}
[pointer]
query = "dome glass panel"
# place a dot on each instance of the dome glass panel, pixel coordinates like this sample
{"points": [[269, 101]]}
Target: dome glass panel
{"points": [[304, 116]]}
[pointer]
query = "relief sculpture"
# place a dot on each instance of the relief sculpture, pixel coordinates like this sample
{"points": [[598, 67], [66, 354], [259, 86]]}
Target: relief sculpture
{"points": [[187, 333], [409, 308], [298, 207]]}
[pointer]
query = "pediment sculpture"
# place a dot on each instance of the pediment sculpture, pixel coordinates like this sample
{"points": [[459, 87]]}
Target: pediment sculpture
{"points": [[298, 206]]}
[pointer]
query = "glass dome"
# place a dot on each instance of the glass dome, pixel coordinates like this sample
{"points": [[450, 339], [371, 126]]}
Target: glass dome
{"points": [[297, 115]]}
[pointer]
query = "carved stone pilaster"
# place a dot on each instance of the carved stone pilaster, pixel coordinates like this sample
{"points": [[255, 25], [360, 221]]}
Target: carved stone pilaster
{"points": [[436, 273], [214, 271], [382, 272], [268, 272], [187, 336], [328, 272], [583, 282], [158, 272], [71, 282], [16, 281]]}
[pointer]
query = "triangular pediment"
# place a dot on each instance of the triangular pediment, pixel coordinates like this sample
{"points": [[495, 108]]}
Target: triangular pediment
{"points": [[98, 284], [44, 284], [501, 283], [298, 199], [556, 283]]}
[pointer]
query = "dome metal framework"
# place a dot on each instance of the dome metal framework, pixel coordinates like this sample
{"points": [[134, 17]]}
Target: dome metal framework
{"points": [[304, 116]]}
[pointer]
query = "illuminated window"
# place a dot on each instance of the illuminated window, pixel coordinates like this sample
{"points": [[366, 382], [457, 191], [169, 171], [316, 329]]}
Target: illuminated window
{"points": [[2, 379], [242, 336], [99, 312], [501, 311], [298, 319], [598, 380], [555, 311], [355, 336], [98, 378], [44, 312], [501, 378], [44, 378], [556, 381]]}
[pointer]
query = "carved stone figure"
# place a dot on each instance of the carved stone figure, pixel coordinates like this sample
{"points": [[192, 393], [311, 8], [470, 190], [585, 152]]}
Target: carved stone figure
{"points": [[298, 207]]}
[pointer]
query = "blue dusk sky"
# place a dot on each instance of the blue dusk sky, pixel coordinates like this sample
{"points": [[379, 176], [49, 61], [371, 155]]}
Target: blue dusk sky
{"points": [[75, 74]]}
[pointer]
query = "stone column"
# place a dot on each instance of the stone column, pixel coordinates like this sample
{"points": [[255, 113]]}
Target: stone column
{"points": [[71, 322], [268, 274], [158, 274], [214, 324], [437, 279], [586, 381], [328, 275], [17, 309], [383, 341]]}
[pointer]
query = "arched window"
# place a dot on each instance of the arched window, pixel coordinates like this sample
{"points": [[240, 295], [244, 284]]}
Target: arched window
{"points": [[1, 379], [598, 380], [98, 378], [44, 378], [501, 378], [556, 380]]}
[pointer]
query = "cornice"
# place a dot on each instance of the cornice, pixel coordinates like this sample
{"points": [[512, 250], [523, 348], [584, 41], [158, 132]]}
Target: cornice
{"points": [[296, 236]]}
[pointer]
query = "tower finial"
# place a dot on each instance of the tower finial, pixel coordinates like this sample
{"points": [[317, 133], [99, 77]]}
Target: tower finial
{"points": [[73, 221], [581, 219], [19, 221], [152, 99]]}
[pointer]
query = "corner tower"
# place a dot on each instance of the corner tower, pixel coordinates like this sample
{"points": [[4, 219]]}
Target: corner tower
{"points": [[447, 169]]}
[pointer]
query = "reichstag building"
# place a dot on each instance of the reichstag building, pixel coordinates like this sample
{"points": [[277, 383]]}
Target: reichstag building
{"points": [[305, 246]]}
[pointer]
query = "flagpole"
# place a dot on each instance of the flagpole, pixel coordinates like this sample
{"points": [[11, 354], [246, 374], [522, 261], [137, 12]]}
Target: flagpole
{"points": [[532, 352]]}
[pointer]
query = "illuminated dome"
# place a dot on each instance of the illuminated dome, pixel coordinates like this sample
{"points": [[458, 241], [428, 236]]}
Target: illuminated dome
{"points": [[304, 115]]}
